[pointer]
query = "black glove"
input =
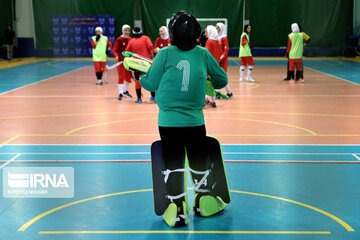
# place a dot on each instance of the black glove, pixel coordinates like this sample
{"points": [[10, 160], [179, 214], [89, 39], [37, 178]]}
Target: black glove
{"points": [[251, 46], [287, 55], [107, 52], [97, 37]]}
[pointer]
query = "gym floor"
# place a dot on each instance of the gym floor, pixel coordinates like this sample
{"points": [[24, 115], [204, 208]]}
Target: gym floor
{"points": [[292, 154]]}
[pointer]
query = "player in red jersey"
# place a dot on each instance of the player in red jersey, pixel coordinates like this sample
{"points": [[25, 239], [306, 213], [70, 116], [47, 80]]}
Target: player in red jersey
{"points": [[142, 45], [124, 77], [224, 43], [163, 40], [213, 45]]}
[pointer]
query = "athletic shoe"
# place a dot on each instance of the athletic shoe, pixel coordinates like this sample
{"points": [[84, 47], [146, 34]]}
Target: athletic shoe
{"points": [[213, 104], [302, 81], [292, 81], [229, 95], [152, 99], [99, 82], [176, 216], [242, 80], [127, 94], [250, 79], [120, 96], [207, 101], [138, 101], [217, 96], [208, 205], [287, 79]]}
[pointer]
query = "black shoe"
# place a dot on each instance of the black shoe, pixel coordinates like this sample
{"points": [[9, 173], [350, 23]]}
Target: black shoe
{"points": [[127, 94], [120, 96], [287, 79], [229, 95], [217, 96]]}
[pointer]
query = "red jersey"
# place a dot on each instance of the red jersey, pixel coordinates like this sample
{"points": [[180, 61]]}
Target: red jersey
{"points": [[214, 48], [120, 46], [225, 51], [224, 43], [141, 46], [161, 43]]}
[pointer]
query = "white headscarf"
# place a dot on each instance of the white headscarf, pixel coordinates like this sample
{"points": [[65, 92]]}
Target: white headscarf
{"points": [[212, 32], [222, 32], [166, 36], [295, 28], [125, 26], [99, 29]]}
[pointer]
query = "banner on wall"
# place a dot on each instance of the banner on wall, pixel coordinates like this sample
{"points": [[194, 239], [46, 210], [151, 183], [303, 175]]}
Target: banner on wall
{"points": [[72, 34]]}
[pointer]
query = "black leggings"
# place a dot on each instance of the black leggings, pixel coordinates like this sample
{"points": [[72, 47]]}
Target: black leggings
{"points": [[174, 141]]}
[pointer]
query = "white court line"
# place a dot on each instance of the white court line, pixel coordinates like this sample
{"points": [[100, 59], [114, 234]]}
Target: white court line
{"points": [[332, 75], [226, 144], [230, 153], [148, 160], [41, 80], [11, 160], [240, 96], [356, 156]]}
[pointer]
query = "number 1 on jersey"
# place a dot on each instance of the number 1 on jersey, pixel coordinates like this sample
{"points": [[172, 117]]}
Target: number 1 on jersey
{"points": [[185, 65]]}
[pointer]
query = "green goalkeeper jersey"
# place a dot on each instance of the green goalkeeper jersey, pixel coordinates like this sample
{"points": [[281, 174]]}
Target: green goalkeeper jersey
{"points": [[179, 79]]}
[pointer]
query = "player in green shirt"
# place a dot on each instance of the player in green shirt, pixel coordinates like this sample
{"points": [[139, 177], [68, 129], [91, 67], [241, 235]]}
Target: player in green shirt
{"points": [[178, 75]]}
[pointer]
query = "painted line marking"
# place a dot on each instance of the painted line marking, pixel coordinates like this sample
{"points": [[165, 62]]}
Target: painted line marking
{"points": [[10, 140], [133, 153], [151, 112], [184, 232], [11, 160], [35, 219], [349, 81], [149, 161], [356, 156]]}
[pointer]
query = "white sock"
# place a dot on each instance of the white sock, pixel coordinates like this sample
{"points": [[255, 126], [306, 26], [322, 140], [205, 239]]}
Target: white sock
{"points": [[250, 68], [213, 99], [242, 71], [120, 86], [126, 86], [227, 88]]}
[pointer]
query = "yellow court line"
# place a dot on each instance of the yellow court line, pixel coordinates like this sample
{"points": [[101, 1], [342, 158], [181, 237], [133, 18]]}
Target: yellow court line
{"points": [[27, 224], [10, 140], [263, 121], [344, 224], [22, 61], [152, 112], [155, 134], [106, 123], [184, 232]]}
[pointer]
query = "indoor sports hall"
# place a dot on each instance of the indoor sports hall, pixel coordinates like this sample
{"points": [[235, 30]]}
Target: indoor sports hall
{"points": [[76, 156]]}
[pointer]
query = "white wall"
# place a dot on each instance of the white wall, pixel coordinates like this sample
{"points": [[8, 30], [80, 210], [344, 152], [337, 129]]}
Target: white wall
{"points": [[24, 18]]}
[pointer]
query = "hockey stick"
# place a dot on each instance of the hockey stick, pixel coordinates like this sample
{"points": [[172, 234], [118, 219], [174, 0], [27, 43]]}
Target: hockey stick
{"points": [[113, 66], [130, 54]]}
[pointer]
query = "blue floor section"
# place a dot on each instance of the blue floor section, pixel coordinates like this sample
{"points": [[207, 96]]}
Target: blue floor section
{"points": [[343, 69], [19, 76], [332, 188]]}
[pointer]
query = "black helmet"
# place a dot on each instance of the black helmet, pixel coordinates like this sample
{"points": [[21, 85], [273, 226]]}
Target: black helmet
{"points": [[184, 30]]}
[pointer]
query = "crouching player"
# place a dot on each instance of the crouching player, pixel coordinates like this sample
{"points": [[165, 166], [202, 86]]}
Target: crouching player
{"points": [[178, 75]]}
